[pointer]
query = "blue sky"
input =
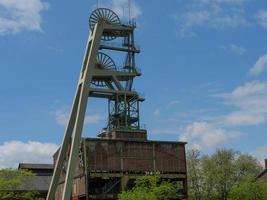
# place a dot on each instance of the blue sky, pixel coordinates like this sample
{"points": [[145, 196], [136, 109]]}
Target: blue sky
{"points": [[204, 66]]}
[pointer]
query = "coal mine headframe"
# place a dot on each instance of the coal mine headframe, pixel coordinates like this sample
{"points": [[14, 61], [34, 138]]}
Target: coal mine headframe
{"points": [[102, 167]]}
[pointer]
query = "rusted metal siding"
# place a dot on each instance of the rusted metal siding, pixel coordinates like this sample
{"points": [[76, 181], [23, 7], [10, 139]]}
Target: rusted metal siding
{"points": [[103, 155], [75, 198], [124, 157], [129, 135], [59, 192], [78, 188], [79, 182], [135, 156], [170, 157]]}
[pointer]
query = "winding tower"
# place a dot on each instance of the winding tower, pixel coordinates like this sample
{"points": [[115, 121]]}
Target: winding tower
{"points": [[100, 164], [110, 81]]}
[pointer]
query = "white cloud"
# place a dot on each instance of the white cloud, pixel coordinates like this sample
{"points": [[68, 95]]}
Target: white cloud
{"points": [[249, 89], [244, 118], [206, 136], [235, 49], [14, 152], [260, 66], [261, 154], [248, 106], [20, 15], [262, 17], [217, 14], [92, 119], [62, 116], [250, 101]]}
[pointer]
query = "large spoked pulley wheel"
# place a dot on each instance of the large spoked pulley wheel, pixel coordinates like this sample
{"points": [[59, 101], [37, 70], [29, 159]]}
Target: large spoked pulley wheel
{"points": [[103, 62], [106, 15]]}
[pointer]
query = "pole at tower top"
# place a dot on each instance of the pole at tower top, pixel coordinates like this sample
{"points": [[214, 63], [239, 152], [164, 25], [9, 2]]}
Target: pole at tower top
{"points": [[129, 10]]}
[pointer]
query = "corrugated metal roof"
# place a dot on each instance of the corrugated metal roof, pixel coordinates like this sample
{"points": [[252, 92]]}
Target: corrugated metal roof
{"points": [[39, 183], [35, 166]]}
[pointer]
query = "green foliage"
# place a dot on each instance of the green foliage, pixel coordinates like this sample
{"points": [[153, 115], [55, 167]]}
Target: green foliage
{"points": [[195, 174], [213, 177], [137, 193], [249, 190], [11, 181], [167, 191], [29, 195], [150, 188]]}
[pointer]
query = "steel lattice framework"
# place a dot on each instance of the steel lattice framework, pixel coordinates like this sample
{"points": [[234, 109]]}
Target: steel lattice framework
{"points": [[101, 78]]}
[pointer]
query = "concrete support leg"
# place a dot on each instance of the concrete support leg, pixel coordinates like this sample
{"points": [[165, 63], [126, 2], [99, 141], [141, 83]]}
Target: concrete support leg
{"points": [[124, 182]]}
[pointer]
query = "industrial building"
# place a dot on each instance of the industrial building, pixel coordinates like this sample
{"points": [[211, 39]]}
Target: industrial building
{"points": [[100, 168], [106, 167], [40, 181]]}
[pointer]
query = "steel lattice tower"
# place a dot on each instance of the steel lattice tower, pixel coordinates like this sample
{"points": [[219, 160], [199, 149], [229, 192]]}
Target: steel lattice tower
{"points": [[100, 77]]}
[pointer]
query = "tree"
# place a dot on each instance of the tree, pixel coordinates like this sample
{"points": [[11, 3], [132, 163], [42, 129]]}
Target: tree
{"points": [[212, 177], [224, 172], [209, 170], [11, 181], [150, 188], [249, 190], [195, 176]]}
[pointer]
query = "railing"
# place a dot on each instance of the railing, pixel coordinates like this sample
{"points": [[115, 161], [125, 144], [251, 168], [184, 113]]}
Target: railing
{"points": [[123, 69], [131, 23], [119, 45]]}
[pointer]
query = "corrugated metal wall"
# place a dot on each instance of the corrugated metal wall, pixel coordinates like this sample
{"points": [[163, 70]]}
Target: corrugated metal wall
{"points": [[102, 155], [135, 156]]}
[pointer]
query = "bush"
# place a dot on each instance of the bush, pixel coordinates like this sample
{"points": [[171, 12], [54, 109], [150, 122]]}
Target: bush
{"points": [[151, 188]]}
